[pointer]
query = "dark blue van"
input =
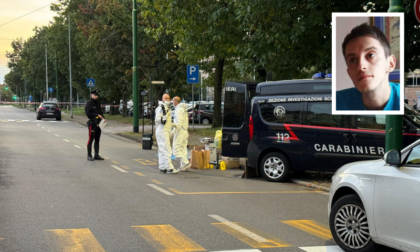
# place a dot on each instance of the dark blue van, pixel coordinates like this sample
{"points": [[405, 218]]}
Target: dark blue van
{"points": [[291, 129]]}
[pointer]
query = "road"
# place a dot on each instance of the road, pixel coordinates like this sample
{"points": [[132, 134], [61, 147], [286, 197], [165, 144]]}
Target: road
{"points": [[53, 199]]}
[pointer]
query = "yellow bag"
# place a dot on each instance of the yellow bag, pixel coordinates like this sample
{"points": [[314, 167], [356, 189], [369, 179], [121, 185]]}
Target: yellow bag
{"points": [[218, 139]]}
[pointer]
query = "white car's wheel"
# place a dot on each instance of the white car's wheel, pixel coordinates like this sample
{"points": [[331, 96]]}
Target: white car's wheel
{"points": [[349, 225]]}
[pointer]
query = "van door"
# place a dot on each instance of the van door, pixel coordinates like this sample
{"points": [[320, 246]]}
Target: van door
{"points": [[236, 113], [368, 137], [325, 137]]}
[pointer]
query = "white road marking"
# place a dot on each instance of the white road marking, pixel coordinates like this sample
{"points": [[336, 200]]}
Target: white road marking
{"points": [[160, 189], [239, 228], [11, 120], [66, 140], [25, 120], [118, 168], [43, 127], [322, 249], [240, 250], [38, 125], [77, 146], [56, 135], [49, 130]]}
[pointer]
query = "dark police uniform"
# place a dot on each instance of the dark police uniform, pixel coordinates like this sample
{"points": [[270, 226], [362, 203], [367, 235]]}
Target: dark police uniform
{"points": [[92, 110]]}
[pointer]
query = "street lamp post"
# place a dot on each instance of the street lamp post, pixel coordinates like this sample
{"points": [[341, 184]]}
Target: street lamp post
{"points": [[393, 135], [71, 88], [135, 73], [46, 71]]}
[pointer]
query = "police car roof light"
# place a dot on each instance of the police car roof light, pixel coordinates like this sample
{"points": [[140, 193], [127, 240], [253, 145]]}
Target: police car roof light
{"points": [[318, 76], [329, 75]]}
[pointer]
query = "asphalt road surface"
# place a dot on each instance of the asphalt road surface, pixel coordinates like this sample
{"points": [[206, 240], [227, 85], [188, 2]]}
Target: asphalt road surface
{"points": [[53, 199]]}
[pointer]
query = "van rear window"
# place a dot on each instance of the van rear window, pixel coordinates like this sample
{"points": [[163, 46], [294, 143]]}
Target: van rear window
{"points": [[281, 112], [234, 108]]}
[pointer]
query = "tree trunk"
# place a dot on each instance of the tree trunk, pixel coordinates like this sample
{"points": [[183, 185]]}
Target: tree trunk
{"points": [[217, 115]]}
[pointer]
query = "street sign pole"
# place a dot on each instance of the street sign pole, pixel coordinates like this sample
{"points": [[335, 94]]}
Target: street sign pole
{"points": [[192, 77], [56, 75]]}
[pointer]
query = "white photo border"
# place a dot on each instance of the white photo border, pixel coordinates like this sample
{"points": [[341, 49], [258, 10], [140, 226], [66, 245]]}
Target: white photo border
{"points": [[334, 63]]}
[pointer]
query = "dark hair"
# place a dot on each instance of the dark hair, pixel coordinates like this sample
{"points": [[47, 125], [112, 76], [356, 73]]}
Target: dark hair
{"points": [[367, 30]]}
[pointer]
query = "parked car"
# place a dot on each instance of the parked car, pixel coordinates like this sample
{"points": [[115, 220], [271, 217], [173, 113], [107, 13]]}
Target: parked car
{"points": [[377, 202], [48, 109], [203, 112]]}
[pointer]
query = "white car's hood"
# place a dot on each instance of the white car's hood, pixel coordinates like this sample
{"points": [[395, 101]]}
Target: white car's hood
{"points": [[370, 167]]}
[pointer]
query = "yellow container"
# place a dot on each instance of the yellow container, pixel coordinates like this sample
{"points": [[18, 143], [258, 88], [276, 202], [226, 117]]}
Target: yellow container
{"points": [[223, 165], [211, 166]]}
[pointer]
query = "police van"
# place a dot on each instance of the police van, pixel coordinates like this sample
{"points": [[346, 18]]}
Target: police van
{"points": [[287, 126]]}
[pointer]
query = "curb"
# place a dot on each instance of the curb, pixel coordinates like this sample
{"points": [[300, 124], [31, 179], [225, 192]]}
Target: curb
{"points": [[311, 185]]}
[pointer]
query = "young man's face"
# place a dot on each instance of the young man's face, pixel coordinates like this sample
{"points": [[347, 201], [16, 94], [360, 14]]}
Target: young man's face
{"points": [[367, 65]]}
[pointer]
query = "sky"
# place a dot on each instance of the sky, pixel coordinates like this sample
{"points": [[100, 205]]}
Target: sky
{"points": [[22, 27]]}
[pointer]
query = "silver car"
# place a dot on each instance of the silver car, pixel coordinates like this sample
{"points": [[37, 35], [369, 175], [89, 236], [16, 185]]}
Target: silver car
{"points": [[375, 203]]}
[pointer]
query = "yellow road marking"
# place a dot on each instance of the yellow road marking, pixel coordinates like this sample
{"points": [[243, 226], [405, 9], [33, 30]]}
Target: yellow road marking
{"points": [[105, 157], [312, 227], [69, 240], [125, 167], [5, 121], [262, 192], [140, 174], [145, 162], [115, 162], [269, 240], [166, 238], [19, 121], [156, 182]]}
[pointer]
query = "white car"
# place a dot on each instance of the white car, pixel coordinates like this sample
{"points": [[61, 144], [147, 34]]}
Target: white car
{"points": [[377, 202]]}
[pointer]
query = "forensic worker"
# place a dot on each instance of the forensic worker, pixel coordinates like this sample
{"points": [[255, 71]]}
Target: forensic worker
{"points": [[93, 111], [180, 132], [163, 122], [369, 61]]}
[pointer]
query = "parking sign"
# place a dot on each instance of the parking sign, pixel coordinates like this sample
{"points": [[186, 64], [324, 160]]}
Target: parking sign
{"points": [[192, 73]]}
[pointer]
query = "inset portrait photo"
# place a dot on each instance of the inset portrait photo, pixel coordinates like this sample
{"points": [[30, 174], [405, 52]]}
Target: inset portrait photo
{"points": [[368, 63]]}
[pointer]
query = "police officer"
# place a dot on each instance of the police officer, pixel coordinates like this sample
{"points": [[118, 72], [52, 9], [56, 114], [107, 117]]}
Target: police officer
{"points": [[93, 111]]}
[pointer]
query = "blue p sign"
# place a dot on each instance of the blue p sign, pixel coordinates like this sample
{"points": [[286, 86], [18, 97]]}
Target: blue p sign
{"points": [[192, 73]]}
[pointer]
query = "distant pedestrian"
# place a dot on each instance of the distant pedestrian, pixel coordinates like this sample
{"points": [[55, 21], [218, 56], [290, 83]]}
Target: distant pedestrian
{"points": [[93, 111], [180, 131], [163, 132]]}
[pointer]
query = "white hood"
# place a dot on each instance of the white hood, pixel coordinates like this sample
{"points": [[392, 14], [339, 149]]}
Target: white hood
{"points": [[181, 106]]}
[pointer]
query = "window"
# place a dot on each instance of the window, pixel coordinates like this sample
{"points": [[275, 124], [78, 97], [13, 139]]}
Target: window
{"points": [[373, 122], [414, 157], [233, 109], [49, 105], [319, 114], [281, 112]]}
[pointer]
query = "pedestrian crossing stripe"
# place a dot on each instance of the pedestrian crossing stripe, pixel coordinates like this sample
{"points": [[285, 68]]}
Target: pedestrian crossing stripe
{"points": [[312, 227], [260, 239], [165, 238], [322, 249], [72, 240]]}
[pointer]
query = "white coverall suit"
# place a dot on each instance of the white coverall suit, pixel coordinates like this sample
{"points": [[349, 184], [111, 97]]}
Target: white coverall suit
{"points": [[163, 131], [181, 133]]}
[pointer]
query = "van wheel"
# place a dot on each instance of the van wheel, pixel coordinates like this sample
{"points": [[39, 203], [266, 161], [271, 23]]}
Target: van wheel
{"points": [[275, 167], [349, 225]]}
